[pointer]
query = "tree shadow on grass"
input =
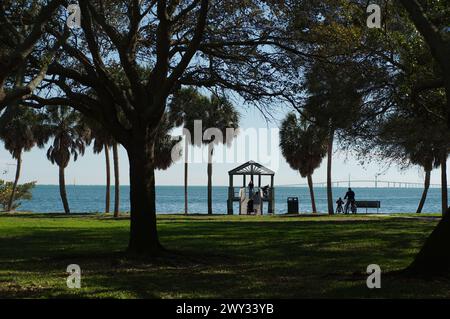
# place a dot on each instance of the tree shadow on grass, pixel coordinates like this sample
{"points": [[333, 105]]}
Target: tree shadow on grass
{"points": [[47, 215], [393, 285], [212, 259]]}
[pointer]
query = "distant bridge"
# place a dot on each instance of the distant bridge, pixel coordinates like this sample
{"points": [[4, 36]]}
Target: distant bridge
{"points": [[366, 183]]}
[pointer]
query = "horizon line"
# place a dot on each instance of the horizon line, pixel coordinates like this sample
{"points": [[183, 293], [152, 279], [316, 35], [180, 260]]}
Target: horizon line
{"points": [[280, 186]]}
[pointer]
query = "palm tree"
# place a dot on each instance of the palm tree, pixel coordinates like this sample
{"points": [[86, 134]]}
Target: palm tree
{"points": [[406, 138], [186, 107], [333, 103], [426, 186], [20, 129], [221, 115], [69, 139], [102, 142], [444, 190], [167, 149], [427, 158], [304, 146], [115, 148]]}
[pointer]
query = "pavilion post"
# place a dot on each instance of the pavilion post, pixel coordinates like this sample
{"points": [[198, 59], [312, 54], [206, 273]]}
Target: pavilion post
{"points": [[230, 196], [271, 206]]}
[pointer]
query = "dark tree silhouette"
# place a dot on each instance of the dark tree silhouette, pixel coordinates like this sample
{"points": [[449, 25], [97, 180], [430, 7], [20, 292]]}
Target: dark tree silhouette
{"points": [[221, 116], [179, 43], [333, 103], [402, 140], [187, 106], [22, 39], [102, 141], [304, 146], [115, 148], [21, 130], [69, 139], [216, 112], [433, 26]]}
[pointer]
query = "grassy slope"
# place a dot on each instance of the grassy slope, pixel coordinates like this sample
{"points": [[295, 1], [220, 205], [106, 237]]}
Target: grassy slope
{"points": [[220, 256]]}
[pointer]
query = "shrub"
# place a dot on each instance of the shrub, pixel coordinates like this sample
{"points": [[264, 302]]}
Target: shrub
{"points": [[23, 192]]}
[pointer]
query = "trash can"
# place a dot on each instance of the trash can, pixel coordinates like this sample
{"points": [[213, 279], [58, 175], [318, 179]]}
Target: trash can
{"points": [[292, 203]]}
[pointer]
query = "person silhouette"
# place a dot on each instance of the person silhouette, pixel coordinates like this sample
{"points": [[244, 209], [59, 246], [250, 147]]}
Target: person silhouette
{"points": [[250, 188], [339, 203], [265, 190], [350, 197]]}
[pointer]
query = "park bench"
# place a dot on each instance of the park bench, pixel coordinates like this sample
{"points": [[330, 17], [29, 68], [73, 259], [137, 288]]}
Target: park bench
{"points": [[368, 204]]}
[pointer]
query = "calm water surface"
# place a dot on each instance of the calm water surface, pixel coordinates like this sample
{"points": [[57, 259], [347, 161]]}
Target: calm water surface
{"points": [[170, 199]]}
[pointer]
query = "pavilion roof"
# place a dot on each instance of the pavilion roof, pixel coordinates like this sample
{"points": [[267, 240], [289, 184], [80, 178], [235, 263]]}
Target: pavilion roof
{"points": [[251, 168]]}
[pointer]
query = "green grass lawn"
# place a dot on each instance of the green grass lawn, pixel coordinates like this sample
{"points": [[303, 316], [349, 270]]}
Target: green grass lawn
{"points": [[214, 257]]}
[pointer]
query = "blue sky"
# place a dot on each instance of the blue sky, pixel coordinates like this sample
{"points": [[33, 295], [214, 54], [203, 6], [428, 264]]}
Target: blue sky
{"points": [[90, 169]]}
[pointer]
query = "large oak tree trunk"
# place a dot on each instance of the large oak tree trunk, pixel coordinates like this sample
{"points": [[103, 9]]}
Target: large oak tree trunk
{"points": [[444, 184], [16, 182], [62, 189], [210, 154], [143, 230], [116, 181], [186, 166], [434, 257], [108, 180], [425, 191], [329, 184]]}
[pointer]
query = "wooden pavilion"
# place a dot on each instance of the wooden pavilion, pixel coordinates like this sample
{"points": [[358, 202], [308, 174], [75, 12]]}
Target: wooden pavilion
{"points": [[251, 169]]}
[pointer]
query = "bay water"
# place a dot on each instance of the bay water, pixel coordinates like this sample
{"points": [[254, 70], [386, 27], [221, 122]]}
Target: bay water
{"points": [[170, 199]]}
